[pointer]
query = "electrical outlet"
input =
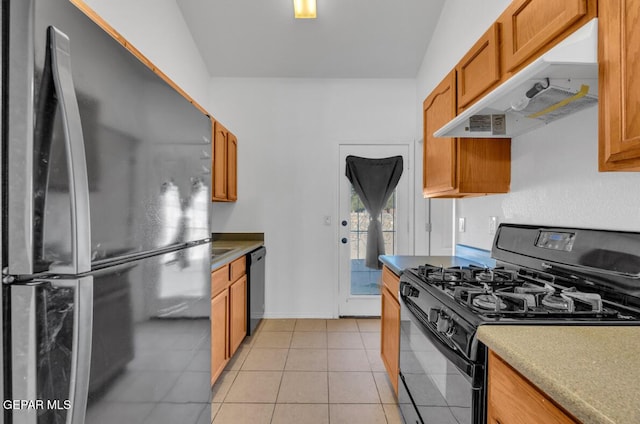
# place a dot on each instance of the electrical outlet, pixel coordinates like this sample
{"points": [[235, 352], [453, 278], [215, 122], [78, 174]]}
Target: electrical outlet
{"points": [[493, 224], [461, 225]]}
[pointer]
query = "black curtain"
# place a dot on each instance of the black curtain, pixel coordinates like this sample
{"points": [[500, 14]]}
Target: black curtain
{"points": [[374, 181]]}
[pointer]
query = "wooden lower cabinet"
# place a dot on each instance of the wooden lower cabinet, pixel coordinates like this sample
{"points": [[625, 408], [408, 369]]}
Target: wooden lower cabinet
{"points": [[238, 313], [219, 334], [228, 313], [514, 400], [390, 326]]}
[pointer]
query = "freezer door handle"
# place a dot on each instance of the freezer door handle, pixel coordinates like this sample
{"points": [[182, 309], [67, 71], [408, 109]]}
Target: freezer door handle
{"points": [[81, 346], [59, 46]]}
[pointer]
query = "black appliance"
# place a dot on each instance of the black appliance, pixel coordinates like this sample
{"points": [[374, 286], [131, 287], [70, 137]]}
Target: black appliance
{"points": [[105, 229], [255, 288], [543, 276]]}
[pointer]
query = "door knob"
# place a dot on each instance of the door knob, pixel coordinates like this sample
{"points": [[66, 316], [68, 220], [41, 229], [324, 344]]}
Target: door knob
{"points": [[344, 240]]}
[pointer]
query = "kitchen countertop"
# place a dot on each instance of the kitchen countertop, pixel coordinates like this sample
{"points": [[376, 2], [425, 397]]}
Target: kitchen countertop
{"points": [[398, 263], [238, 249], [593, 372]]}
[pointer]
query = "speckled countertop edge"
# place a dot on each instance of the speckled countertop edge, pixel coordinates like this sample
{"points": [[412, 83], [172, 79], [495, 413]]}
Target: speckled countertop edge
{"points": [[593, 372], [239, 248]]}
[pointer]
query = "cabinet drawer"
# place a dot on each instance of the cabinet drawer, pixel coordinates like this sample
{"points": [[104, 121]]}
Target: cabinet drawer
{"points": [[530, 26], [238, 268], [391, 281], [219, 280], [479, 69]]}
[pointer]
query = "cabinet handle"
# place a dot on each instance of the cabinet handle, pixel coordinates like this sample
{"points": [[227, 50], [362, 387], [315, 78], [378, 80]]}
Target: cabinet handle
{"points": [[344, 240]]}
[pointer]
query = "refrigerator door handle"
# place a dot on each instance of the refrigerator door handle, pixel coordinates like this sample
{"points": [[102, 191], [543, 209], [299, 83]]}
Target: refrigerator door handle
{"points": [[81, 342], [43, 340], [59, 46]]}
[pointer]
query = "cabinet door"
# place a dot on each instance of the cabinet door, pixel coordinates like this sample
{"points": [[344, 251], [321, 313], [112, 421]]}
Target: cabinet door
{"points": [[219, 172], [512, 399], [530, 25], [619, 85], [484, 165], [232, 167], [219, 334], [238, 317], [439, 154], [390, 336], [479, 69]]}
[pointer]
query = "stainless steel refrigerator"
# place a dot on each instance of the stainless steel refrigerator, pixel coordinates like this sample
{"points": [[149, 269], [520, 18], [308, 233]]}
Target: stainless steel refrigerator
{"points": [[105, 230]]}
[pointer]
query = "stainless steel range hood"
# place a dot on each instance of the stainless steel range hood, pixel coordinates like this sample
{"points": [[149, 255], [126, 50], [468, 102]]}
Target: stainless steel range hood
{"points": [[561, 82]]}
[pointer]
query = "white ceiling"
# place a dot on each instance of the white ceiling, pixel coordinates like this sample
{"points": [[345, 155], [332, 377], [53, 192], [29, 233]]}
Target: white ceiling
{"points": [[349, 39]]}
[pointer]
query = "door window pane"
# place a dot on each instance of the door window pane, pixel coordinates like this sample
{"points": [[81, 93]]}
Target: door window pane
{"points": [[367, 281]]}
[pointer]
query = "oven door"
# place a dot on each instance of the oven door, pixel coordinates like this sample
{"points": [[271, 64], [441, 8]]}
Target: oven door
{"points": [[437, 384]]}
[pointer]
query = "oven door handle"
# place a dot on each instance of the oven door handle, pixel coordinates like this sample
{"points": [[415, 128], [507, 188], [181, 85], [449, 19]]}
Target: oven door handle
{"points": [[453, 355]]}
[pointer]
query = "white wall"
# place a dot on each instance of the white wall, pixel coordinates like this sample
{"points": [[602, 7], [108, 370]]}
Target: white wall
{"points": [[288, 134], [554, 170], [158, 30]]}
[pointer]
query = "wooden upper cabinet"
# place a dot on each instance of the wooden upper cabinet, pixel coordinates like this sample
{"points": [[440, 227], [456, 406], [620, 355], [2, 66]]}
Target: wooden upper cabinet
{"points": [[219, 172], [224, 185], [479, 69], [460, 167], [619, 85], [232, 167], [531, 26], [439, 154]]}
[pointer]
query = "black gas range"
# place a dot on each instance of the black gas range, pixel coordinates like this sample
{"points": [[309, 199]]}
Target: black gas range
{"points": [[543, 276]]}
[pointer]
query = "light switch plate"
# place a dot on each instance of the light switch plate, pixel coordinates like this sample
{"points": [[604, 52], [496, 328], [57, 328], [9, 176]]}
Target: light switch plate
{"points": [[461, 225]]}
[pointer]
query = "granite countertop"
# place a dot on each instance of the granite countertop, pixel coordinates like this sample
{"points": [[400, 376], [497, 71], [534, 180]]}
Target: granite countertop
{"points": [[398, 263], [593, 372], [237, 248]]}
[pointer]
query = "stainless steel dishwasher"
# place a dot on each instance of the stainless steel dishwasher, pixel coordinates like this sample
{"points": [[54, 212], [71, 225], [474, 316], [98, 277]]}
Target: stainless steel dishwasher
{"points": [[255, 289]]}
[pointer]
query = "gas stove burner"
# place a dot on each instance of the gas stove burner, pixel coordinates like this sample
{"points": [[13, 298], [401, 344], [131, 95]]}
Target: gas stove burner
{"points": [[557, 302], [441, 274], [534, 289], [489, 302], [497, 275]]}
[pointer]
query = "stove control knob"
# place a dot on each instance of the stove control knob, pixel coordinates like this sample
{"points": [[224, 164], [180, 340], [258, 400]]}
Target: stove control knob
{"points": [[409, 291], [444, 324], [434, 313]]}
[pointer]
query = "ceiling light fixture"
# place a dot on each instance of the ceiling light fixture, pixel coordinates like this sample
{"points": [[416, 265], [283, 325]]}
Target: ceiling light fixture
{"points": [[304, 9]]}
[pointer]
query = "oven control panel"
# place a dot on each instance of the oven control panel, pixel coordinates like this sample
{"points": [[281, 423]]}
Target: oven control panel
{"points": [[554, 240]]}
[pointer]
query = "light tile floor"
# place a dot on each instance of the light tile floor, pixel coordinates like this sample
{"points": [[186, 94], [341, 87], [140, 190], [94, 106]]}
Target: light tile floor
{"points": [[307, 371]]}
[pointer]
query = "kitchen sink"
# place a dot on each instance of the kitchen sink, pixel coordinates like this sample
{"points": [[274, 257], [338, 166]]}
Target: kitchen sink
{"points": [[220, 251]]}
